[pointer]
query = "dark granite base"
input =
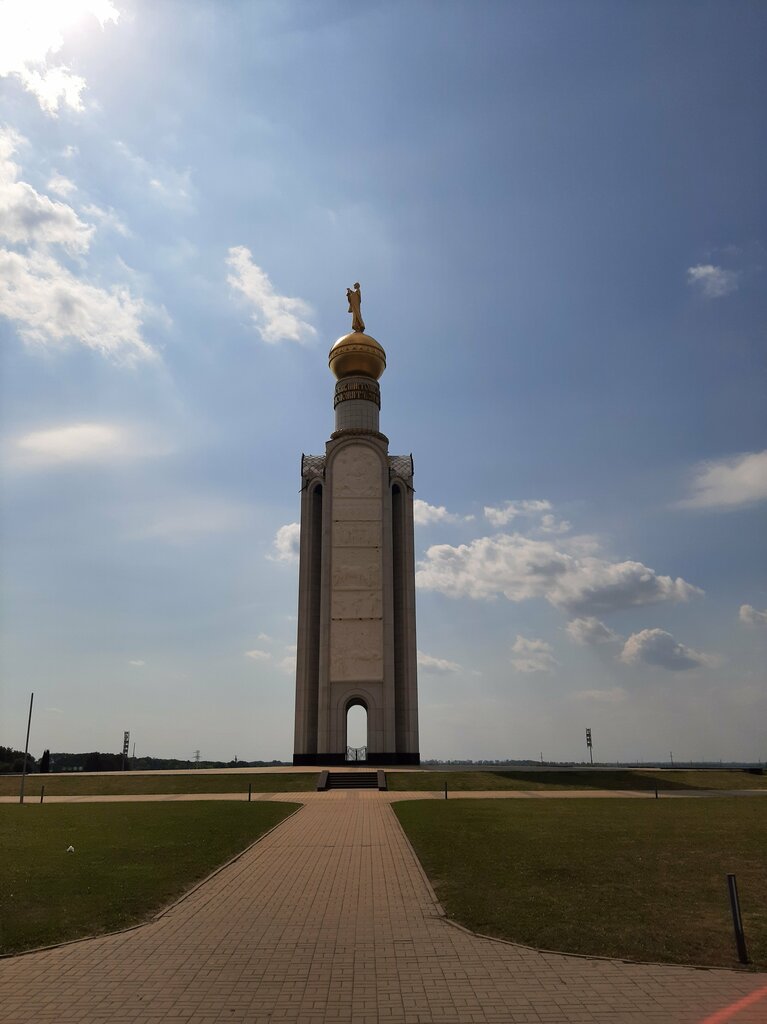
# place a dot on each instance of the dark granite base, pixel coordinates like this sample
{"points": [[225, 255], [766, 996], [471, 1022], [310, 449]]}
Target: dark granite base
{"points": [[373, 760]]}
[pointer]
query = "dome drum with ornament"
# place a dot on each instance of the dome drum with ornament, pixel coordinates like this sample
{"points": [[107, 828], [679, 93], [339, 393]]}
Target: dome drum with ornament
{"points": [[356, 608]]}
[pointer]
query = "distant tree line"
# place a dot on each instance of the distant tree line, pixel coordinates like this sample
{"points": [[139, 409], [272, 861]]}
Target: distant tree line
{"points": [[12, 761]]}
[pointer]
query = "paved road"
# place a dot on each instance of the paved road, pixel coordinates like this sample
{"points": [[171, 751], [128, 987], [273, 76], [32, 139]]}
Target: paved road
{"points": [[330, 919]]}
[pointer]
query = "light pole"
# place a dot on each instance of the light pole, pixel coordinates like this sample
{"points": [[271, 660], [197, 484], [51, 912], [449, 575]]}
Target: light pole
{"points": [[26, 750]]}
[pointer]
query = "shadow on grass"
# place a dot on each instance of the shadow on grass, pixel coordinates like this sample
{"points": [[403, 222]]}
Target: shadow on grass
{"points": [[490, 779], [125, 783], [587, 779]]}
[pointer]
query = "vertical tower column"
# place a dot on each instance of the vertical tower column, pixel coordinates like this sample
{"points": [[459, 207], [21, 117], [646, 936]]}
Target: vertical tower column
{"points": [[356, 609]]}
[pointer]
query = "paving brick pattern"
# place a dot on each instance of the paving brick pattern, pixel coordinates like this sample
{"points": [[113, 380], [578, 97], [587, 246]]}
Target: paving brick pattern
{"points": [[330, 919]]}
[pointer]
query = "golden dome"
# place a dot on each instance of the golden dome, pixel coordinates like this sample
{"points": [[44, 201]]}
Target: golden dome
{"points": [[357, 354]]}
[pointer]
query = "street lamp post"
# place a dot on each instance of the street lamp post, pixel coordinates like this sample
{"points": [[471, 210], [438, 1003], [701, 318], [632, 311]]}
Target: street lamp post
{"points": [[26, 750]]}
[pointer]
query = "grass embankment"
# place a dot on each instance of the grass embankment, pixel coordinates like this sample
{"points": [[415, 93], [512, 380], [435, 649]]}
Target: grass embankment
{"points": [[123, 783], [643, 880], [130, 860], [480, 781]]}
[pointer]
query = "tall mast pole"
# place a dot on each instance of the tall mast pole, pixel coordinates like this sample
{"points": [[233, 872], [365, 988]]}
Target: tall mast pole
{"points": [[26, 750]]}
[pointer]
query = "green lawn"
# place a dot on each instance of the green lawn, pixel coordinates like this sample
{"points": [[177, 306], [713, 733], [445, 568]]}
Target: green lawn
{"points": [[644, 880], [110, 783], [578, 779], [130, 860]]}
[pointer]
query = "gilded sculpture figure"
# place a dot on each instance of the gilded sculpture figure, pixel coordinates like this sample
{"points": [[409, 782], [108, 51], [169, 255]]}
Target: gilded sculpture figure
{"points": [[354, 295]]}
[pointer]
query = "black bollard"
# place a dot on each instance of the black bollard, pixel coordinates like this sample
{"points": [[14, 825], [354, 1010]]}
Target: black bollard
{"points": [[656, 792], [250, 791], [42, 794], [737, 920], [446, 789]]}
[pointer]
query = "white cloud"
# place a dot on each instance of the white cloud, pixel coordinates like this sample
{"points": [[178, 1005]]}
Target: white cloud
{"points": [[277, 317], [424, 514], [287, 664], [751, 616], [503, 514], [438, 665], [83, 442], [167, 185], [60, 185], [532, 655], [657, 647], [32, 32], [590, 631], [614, 695], [137, 663], [550, 524], [46, 301], [264, 638], [29, 218], [521, 568], [48, 304], [729, 483], [286, 543], [258, 655], [106, 219], [713, 281]]}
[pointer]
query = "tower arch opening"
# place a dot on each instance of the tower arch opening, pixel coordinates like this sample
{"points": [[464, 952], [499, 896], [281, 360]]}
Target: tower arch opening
{"points": [[356, 730]]}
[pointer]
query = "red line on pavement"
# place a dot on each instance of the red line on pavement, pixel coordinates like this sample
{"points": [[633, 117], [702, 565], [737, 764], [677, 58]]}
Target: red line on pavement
{"points": [[728, 1012]]}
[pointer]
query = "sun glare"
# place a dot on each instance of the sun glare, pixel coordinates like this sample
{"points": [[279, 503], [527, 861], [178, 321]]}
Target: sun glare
{"points": [[32, 32], [32, 29]]}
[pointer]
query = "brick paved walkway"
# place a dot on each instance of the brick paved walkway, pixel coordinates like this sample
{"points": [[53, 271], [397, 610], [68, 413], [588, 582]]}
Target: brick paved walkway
{"points": [[329, 919]]}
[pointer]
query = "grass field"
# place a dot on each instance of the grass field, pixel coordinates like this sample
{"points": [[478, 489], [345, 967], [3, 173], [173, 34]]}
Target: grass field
{"points": [[130, 860], [645, 880], [577, 779], [116, 783], [110, 783]]}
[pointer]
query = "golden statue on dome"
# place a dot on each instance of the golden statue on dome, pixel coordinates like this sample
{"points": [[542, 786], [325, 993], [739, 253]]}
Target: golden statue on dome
{"points": [[355, 301], [356, 354]]}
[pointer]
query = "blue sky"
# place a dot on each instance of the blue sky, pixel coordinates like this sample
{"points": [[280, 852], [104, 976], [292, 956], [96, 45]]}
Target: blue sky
{"points": [[556, 212]]}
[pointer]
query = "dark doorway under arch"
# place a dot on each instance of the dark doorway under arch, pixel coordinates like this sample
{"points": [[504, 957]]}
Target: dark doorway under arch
{"points": [[356, 731]]}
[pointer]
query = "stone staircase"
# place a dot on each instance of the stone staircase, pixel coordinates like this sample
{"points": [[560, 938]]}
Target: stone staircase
{"points": [[352, 780]]}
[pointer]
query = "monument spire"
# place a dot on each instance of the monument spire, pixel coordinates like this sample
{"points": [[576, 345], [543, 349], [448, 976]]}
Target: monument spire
{"points": [[356, 603], [356, 361]]}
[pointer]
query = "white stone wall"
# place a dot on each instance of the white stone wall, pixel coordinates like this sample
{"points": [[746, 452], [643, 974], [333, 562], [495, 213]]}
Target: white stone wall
{"points": [[352, 645], [356, 609]]}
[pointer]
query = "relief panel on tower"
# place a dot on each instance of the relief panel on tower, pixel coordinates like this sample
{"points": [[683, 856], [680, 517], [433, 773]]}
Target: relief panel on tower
{"points": [[356, 650], [356, 604], [356, 535], [357, 473], [357, 509], [356, 569]]}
